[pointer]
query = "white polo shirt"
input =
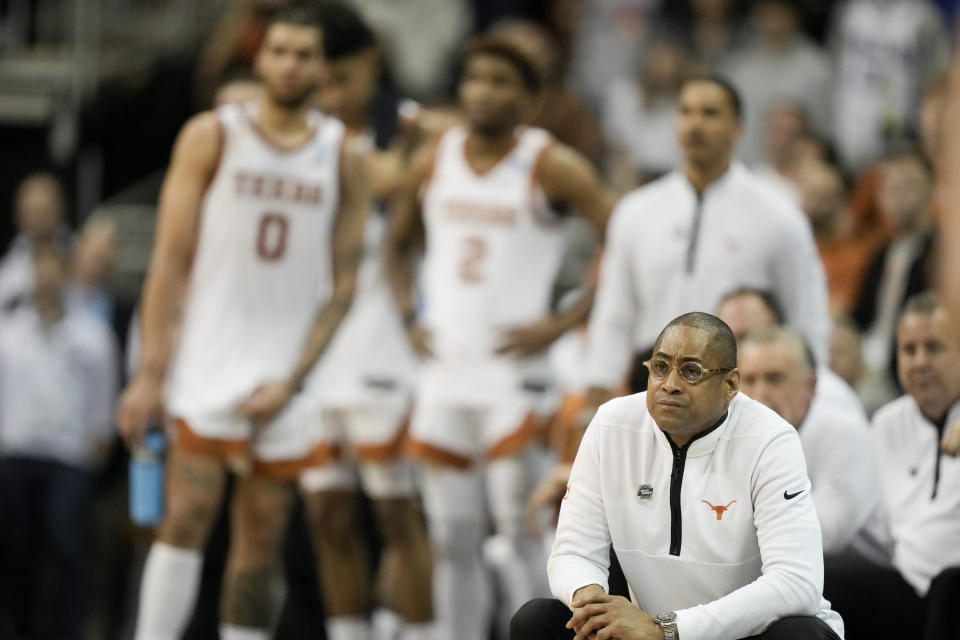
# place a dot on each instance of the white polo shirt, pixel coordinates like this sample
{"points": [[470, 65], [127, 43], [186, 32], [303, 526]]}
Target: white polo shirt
{"points": [[669, 251], [58, 383], [835, 436], [724, 531], [919, 492]]}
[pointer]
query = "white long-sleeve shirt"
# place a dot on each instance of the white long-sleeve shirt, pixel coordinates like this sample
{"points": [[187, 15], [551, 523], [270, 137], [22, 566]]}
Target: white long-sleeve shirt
{"points": [[669, 252], [733, 548], [835, 437], [58, 383], [919, 510]]}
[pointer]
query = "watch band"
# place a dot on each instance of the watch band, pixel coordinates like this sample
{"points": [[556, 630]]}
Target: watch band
{"points": [[668, 622]]}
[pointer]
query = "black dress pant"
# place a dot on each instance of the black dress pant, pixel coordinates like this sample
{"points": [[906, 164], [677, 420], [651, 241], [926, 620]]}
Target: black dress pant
{"points": [[544, 619], [873, 600], [45, 502]]}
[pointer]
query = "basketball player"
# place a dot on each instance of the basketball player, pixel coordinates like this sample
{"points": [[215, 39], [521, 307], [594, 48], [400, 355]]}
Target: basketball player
{"points": [[489, 197], [365, 380], [260, 228]]}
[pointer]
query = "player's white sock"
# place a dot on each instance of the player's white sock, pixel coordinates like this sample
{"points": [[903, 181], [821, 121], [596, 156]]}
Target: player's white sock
{"points": [[420, 631], [168, 592], [234, 632], [461, 593], [348, 628]]}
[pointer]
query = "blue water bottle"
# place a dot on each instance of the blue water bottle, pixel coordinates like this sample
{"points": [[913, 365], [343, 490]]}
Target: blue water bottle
{"points": [[146, 480]]}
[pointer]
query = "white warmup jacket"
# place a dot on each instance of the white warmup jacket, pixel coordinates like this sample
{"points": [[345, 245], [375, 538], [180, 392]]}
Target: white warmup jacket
{"points": [[723, 531], [669, 252], [919, 511]]}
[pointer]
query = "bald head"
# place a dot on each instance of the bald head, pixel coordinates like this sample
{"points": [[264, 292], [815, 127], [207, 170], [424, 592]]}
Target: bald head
{"points": [[721, 344], [789, 339]]}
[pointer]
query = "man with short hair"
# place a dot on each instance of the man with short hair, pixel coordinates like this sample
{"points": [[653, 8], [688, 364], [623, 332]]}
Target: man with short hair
{"points": [[915, 581], [58, 381], [704, 495], [680, 243], [260, 229], [777, 369]]}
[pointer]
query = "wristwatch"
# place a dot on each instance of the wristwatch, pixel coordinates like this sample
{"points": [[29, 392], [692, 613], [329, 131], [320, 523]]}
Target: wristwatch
{"points": [[668, 622]]}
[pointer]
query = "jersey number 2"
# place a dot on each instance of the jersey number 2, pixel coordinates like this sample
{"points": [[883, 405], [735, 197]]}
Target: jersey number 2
{"points": [[474, 251], [272, 236]]}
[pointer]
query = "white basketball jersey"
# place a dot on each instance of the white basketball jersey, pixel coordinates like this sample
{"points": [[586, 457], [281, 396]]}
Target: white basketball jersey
{"points": [[262, 269], [493, 251]]}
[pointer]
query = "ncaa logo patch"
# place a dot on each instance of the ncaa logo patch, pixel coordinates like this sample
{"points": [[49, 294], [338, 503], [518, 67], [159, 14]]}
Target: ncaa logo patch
{"points": [[645, 492]]}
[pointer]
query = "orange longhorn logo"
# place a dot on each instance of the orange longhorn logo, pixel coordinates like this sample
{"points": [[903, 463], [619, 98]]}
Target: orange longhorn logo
{"points": [[719, 509]]}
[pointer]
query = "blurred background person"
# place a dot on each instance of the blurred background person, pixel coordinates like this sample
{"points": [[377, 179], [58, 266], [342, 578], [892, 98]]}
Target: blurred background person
{"points": [[886, 52], [58, 381], [845, 254], [779, 64], [561, 111], [40, 218], [777, 369], [638, 112], [364, 383], [900, 268], [909, 560], [785, 129], [91, 268]]}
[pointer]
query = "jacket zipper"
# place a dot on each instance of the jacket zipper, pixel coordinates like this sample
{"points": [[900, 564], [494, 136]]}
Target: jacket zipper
{"points": [[676, 482], [694, 235]]}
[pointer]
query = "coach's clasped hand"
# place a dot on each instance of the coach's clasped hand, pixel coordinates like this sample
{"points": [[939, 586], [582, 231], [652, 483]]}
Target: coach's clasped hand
{"points": [[597, 616]]}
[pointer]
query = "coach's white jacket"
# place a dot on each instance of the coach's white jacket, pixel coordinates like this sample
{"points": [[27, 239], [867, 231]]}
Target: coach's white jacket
{"points": [[724, 531]]}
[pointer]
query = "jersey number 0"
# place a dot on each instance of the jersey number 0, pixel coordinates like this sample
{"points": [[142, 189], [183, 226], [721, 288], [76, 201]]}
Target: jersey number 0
{"points": [[272, 236]]}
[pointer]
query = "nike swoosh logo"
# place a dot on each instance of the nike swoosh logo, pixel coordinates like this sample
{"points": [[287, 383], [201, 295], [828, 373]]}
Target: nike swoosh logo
{"points": [[790, 496]]}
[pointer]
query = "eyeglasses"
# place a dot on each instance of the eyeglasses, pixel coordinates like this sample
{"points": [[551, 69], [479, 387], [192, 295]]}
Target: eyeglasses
{"points": [[692, 372]]}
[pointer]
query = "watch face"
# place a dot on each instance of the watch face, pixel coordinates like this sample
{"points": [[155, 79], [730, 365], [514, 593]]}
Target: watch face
{"points": [[666, 618]]}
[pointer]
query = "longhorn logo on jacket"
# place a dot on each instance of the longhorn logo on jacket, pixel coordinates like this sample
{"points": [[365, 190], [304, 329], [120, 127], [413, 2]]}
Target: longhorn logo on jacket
{"points": [[719, 509]]}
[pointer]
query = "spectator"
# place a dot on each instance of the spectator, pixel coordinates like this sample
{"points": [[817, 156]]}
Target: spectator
{"points": [[92, 267], [40, 211], [780, 64], [777, 369], [897, 270], [748, 310], [886, 52], [561, 112], [608, 40], [844, 253], [419, 38], [747, 559], [638, 117], [712, 31], [846, 359], [784, 151], [916, 579], [58, 380]]}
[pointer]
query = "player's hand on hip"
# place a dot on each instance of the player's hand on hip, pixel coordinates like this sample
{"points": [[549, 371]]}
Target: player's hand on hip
{"points": [[139, 403], [266, 402], [420, 339], [530, 339], [950, 443], [549, 492]]}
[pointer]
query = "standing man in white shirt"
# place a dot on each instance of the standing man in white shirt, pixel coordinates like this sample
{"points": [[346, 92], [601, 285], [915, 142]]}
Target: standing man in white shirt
{"points": [[703, 494], [682, 242], [777, 369], [58, 381], [915, 580]]}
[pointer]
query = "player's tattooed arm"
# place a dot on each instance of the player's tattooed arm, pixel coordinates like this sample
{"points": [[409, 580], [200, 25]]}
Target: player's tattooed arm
{"points": [[196, 155], [405, 240], [347, 249]]}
